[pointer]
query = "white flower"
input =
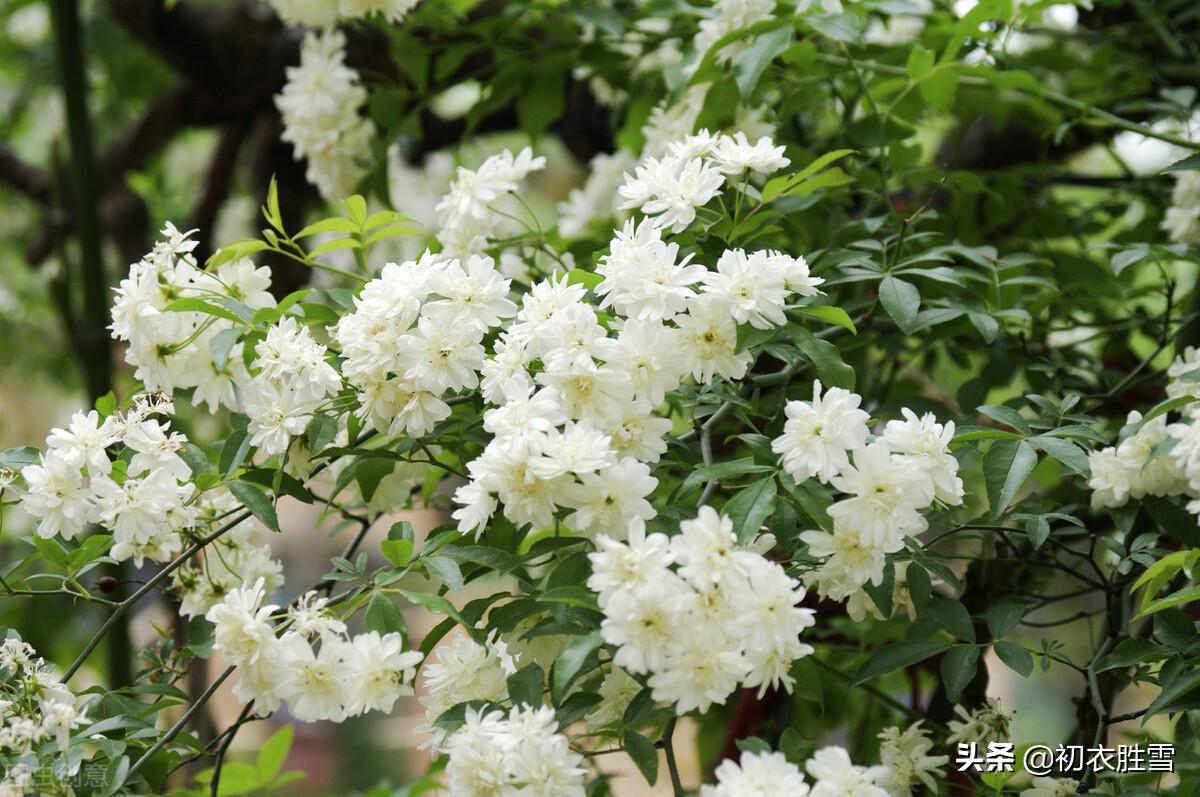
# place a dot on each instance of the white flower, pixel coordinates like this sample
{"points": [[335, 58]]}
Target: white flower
{"points": [[474, 294], [641, 276], [987, 723], [467, 212], [321, 105], [924, 444], [242, 628], [56, 496], [884, 497], [735, 154], [380, 670], [84, 442], [710, 340], [460, 670], [579, 448], [837, 776], [317, 685], [729, 16], [850, 561], [628, 566], [697, 676], [1052, 787], [441, 357], [669, 190], [820, 434], [611, 500], [753, 285], [905, 756], [310, 617], [705, 549], [1182, 220], [757, 775]]}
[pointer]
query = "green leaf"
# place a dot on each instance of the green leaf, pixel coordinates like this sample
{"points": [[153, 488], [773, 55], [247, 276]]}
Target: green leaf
{"points": [[722, 470], [542, 102], [898, 656], [1015, 656], [194, 305], [1002, 413], [959, 666], [220, 345], [320, 432], [445, 570], [258, 502], [750, 63], [571, 661], [844, 27], [19, 457], [1037, 528], [920, 63], [525, 686], [777, 186], [1173, 690], [1004, 616], [1006, 466], [902, 301], [1066, 452], [833, 315], [435, 603], [1189, 164], [939, 87], [808, 682], [336, 224], [114, 776], [644, 755], [951, 616], [273, 753], [398, 552], [233, 452], [827, 360], [1174, 520], [750, 507], [384, 616]]}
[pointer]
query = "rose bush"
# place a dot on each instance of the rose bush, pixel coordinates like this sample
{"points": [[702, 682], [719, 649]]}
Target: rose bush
{"points": [[808, 397]]}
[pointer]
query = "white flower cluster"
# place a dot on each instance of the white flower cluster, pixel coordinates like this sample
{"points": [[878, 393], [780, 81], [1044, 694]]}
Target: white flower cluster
{"points": [[314, 665], [171, 349], [292, 380], [521, 755], [35, 707], [886, 482], [146, 502], [1157, 458], [986, 723], [474, 210], [321, 106], [721, 616], [1182, 219], [417, 333], [461, 670], [572, 413], [327, 13], [670, 188], [834, 773], [229, 562]]}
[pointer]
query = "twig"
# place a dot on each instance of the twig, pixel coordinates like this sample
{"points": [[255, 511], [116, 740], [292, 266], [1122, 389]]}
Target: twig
{"points": [[182, 722]]}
